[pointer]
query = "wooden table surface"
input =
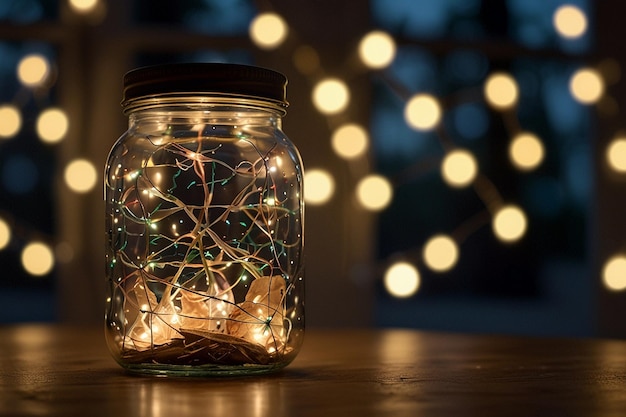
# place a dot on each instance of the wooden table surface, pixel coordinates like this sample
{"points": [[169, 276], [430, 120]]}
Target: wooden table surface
{"points": [[64, 371]]}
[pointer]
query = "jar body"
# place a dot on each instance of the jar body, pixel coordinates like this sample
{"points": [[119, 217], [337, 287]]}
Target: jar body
{"points": [[204, 254]]}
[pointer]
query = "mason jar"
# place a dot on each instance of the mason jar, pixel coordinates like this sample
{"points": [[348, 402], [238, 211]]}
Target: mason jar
{"points": [[204, 224]]}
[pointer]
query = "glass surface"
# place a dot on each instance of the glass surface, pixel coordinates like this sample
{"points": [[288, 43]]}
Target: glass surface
{"points": [[204, 222]]}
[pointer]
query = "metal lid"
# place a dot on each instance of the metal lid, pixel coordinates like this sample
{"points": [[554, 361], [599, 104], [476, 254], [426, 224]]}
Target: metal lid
{"points": [[210, 79]]}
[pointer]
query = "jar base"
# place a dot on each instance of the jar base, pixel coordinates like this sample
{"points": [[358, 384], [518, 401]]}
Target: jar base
{"points": [[165, 370]]}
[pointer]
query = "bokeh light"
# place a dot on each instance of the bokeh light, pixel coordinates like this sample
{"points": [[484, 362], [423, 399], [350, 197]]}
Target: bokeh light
{"points": [[614, 273], [37, 258], [350, 141], [459, 168], [569, 21], [83, 6], [268, 30], [402, 280], [80, 175], [52, 125], [526, 151], [331, 96], [616, 154], [501, 90], [5, 234], [33, 70], [377, 49], [10, 121], [440, 253], [306, 59], [509, 223], [586, 86], [422, 112], [374, 192], [319, 186]]}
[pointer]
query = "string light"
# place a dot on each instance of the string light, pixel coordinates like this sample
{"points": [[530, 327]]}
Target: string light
{"points": [[349, 141], [319, 186], [402, 280], [331, 96], [52, 125], [614, 273], [33, 70], [509, 223], [377, 49], [459, 168], [440, 253], [5, 234], [616, 154], [526, 151], [422, 112], [586, 86], [374, 192], [80, 175], [10, 121], [268, 30], [501, 91], [37, 258], [570, 21]]}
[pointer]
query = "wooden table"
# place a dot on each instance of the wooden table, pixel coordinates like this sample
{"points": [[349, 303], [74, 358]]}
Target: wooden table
{"points": [[65, 371]]}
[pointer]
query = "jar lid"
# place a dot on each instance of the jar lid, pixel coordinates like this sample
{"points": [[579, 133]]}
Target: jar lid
{"points": [[210, 79]]}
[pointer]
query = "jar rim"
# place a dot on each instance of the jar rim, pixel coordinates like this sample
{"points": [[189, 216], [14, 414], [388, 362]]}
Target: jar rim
{"points": [[210, 79]]}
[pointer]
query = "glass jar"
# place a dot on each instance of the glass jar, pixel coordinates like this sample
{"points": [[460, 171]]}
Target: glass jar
{"points": [[204, 224]]}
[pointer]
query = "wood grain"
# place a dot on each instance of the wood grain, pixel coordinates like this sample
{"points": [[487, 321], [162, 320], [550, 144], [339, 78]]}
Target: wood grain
{"points": [[67, 371]]}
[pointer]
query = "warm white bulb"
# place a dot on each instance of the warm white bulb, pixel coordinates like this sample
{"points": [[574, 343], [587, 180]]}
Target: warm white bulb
{"points": [[509, 223], [526, 151], [33, 70], [52, 125], [459, 168], [614, 273], [586, 86], [440, 253], [37, 258], [10, 121], [268, 30], [374, 192], [501, 90], [5, 234], [402, 280], [616, 155], [377, 49], [570, 21], [80, 176], [350, 141], [422, 112], [319, 186], [331, 96]]}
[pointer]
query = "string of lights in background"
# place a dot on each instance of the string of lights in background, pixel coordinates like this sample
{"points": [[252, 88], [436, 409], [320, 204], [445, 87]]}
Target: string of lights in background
{"points": [[459, 168]]}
